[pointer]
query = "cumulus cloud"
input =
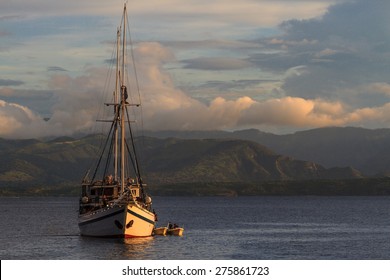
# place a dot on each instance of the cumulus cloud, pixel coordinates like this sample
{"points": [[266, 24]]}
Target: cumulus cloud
{"points": [[293, 112], [325, 69], [167, 107], [171, 108], [18, 121], [342, 51], [73, 108]]}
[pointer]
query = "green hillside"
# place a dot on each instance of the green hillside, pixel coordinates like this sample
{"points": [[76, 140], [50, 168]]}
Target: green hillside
{"points": [[57, 166], [364, 149], [178, 161]]}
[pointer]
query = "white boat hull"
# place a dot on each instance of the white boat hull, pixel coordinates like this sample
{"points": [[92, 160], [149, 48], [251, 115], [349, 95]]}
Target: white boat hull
{"points": [[118, 221]]}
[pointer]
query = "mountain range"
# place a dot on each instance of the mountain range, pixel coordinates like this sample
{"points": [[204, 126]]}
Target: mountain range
{"points": [[179, 158], [366, 150]]}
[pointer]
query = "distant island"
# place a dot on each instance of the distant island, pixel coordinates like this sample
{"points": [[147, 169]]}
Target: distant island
{"points": [[327, 161]]}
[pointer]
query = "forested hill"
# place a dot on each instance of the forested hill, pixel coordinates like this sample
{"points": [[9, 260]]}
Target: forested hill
{"points": [[364, 149], [209, 160], [62, 162]]}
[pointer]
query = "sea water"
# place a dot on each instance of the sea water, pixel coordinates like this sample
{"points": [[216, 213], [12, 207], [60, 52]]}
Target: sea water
{"points": [[223, 228]]}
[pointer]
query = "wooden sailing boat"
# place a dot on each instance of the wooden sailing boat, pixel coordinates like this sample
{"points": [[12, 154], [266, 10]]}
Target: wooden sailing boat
{"points": [[117, 205]]}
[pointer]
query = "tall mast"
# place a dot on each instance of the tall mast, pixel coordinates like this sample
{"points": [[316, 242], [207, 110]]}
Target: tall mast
{"points": [[123, 101], [124, 45], [116, 103]]}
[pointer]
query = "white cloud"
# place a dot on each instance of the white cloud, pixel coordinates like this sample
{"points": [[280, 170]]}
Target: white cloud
{"points": [[167, 107], [327, 68], [17, 121]]}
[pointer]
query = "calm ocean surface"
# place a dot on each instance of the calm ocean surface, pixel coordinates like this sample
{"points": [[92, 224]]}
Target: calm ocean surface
{"points": [[215, 228]]}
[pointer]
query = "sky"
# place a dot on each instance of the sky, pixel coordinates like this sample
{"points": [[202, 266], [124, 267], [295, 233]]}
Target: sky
{"points": [[278, 66]]}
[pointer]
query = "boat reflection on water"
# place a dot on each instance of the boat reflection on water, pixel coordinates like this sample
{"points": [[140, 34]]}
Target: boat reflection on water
{"points": [[141, 241], [118, 248], [125, 248], [136, 247]]}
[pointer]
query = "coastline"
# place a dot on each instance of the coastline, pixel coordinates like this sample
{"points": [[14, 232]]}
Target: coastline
{"points": [[323, 187]]}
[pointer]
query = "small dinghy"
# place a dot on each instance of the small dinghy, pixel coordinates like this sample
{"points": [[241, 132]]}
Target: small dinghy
{"points": [[174, 229], [160, 231], [170, 229]]}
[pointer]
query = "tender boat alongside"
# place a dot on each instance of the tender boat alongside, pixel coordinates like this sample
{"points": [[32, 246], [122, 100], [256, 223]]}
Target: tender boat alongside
{"points": [[160, 231], [175, 231]]}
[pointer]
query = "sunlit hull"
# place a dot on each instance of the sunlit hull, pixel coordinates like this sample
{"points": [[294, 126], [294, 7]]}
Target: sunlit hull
{"points": [[117, 221]]}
